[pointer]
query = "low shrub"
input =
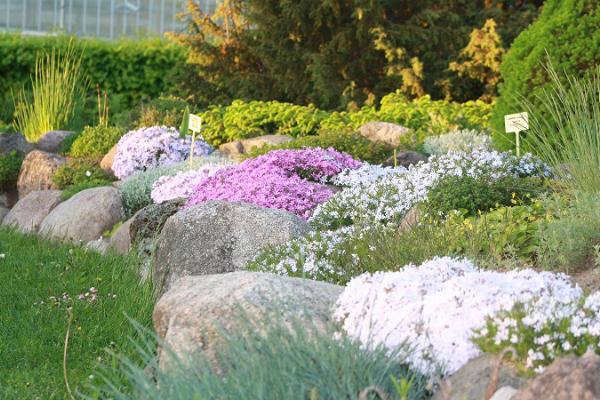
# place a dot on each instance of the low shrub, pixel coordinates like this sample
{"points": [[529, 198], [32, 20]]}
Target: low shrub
{"points": [[568, 243], [403, 308], [163, 111], [458, 141], [148, 148], [281, 361], [10, 166], [290, 180], [242, 120], [471, 195], [423, 116], [76, 172], [354, 144], [95, 141]]}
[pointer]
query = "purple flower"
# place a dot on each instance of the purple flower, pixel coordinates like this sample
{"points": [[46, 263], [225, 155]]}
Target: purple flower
{"points": [[290, 180], [181, 185], [147, 148]]}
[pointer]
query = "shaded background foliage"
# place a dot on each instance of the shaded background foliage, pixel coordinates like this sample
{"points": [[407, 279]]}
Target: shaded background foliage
{"points": [[339, 53]]}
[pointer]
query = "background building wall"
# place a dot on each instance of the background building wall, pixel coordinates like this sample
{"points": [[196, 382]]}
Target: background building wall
{"points": [[108, 19]]}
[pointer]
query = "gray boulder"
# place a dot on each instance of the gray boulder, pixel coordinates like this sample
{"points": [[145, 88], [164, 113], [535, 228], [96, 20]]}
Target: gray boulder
{"points": [[217, 237], [149, 221], [405, 159], [567, 378], [37, 171], [52, 141], [14, 142], [29, 212], [99, 246], [120, 241], [190, 317], [3, 212], [85, 216], [384, 132], [236, 148], [475, 379]]}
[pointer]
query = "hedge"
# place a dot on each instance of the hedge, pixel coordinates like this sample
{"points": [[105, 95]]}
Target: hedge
{"points": [[566, 34], [134, 70]]}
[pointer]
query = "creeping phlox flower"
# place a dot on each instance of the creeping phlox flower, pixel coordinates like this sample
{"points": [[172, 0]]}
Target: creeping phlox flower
{"points": [[311, 256], [182, 184], [545, 328], [147, 148], [465, 140], [436, 307], [387, 199], [290, 180]]}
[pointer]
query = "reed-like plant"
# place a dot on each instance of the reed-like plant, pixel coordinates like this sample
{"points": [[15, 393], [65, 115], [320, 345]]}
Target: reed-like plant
{"points": [[565, 130], [57, 90]]}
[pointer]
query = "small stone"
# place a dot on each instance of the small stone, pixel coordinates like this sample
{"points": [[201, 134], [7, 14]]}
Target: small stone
{"points": [[384, 132], [52, 141]]}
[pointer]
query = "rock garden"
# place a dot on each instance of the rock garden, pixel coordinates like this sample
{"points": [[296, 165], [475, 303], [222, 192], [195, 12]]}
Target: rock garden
{"points": [[404, 249]]}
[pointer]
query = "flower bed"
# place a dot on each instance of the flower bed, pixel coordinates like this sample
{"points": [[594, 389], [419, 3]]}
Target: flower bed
{"points": [[436, 307], [182, 184], [387, 200], [147, 148], [291, 180]]}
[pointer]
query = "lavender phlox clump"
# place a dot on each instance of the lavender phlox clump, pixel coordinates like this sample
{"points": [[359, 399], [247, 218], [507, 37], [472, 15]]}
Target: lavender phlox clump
{"points": [[435, 308], [290, 180], [183, 184], [147, 148]]}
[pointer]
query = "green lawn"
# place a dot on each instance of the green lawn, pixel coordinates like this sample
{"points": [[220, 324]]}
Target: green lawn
{"points": [[34, 275]]}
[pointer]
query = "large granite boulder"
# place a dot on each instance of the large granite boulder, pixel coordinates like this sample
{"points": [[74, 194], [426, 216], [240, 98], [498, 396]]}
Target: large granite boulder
{"points": [[474, 379], [29, 212], [14, 142], [217, 237], [567, 378], [52, 141], [37, 171], [384, 132], [236, 148], [85, 216], [149, 221], [191, 316], [108, 160], [120, 241]]}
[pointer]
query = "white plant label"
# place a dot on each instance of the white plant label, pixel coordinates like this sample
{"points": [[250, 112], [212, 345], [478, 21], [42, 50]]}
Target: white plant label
{"points": [[195, 123], [516, 122]]}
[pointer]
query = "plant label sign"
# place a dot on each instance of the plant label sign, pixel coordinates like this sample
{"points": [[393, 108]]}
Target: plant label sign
{"points": [[514, 123], [195, 123]]}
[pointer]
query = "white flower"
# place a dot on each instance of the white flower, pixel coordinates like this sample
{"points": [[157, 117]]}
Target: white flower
{"points": [[88, 173], [436, 307]]}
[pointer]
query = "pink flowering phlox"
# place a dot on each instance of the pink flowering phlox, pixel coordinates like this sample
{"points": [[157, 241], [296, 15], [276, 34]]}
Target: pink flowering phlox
{"points": [[290, 180], [182, 184], [147, 148]]}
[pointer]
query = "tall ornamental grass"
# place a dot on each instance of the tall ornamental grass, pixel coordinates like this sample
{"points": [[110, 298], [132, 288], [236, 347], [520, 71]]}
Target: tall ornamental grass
{"points": [[565, 129], [57, 91]]}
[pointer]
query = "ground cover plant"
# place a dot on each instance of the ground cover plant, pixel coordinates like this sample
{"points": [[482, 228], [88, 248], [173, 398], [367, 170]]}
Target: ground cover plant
{"points": [[543, 314], [291, 180], [40, 282]]}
